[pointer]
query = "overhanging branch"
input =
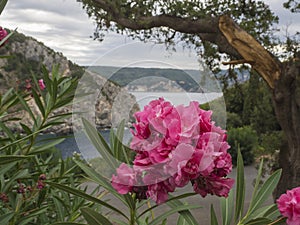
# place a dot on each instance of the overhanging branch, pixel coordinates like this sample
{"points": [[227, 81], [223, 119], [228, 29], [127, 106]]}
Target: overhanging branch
{"points": [[251, 50]]}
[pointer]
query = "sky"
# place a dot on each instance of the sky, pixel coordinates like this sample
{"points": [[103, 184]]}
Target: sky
{"points": [[64, 26]]}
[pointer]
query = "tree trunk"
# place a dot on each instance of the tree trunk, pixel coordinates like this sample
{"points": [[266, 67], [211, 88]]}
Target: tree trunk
{"points": [[286, 96]]}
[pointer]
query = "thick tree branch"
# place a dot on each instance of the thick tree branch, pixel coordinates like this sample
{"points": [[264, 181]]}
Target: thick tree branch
{"points": [[184, 25], [207, 28], [223, 32], [251, 50]]}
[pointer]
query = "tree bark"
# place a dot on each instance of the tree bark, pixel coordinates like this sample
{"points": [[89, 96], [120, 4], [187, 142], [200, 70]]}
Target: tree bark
{"points": [[286, 97], [284, 80]]}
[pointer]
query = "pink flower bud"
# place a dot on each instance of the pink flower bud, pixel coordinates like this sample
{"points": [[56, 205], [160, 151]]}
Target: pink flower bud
{"points": [[41, 84]]}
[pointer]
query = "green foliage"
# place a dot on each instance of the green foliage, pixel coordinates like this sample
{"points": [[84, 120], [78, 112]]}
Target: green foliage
{"points": [[270, 142], [292, 5], [245, 139], [234, 120], [256, 213], [28, 162]]}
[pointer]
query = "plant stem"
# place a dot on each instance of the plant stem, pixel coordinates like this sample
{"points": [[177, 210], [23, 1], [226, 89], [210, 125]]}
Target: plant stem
{"points": [[132, 216]]}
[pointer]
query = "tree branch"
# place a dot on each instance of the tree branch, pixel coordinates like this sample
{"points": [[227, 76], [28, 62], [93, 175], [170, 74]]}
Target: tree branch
{"points": [[184, 25], [251, 50], [222, 31]]}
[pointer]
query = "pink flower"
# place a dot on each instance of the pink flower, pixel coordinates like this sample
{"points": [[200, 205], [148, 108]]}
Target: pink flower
{"points": [[214, 185], [125, 179], [41, 84], [289, 206], [175, 146], [3, 33], [159, 191]]}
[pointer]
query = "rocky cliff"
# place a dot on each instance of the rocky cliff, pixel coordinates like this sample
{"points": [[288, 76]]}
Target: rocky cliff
{"points": [[26, 56]]}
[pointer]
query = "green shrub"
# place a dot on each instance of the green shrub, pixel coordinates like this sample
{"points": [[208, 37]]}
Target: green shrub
{"points": [[28, 163], [245, 139], [233, 120]]}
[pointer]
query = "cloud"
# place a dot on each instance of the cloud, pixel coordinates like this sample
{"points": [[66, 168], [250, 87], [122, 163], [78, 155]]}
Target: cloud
{"points": [[64, 26]]}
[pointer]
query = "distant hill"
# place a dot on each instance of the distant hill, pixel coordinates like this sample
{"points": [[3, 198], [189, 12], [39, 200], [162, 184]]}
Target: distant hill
{"points": [[146, 79]]}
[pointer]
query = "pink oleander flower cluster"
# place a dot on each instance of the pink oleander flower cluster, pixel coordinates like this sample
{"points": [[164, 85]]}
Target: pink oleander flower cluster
{"points": [[289, 206], [175, 146]]}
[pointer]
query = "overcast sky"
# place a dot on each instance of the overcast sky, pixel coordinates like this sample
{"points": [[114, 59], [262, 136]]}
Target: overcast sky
{"points": [[64, 26]]}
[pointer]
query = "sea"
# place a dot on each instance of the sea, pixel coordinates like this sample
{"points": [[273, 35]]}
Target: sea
{"points": [[81, 145]]}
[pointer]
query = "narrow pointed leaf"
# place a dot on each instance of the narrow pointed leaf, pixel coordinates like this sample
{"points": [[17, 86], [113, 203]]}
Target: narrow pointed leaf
{"points": [[2, 5], [85, 196], [240, 188], [213, 217], [176, 209], [186, 214], [168, 201], [257, 182], [259, 221], [68, 223], [6, 159], [6, 217], [266, 190], [97, 178], [94, 218], [227, 209], [100, 144]]}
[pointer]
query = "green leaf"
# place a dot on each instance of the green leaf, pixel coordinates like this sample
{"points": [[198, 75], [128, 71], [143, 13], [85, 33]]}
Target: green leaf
{"points": [[38, 102], [45, 146], [85, 196], [174, 209], [213, 217], [227, 209], [20, 140], [6, 159], [6, 218], [27, 108], [181, 221], [26, 128], [270, 212], [257, 182], [68, 223], [266, 190], [94, 218], [117, 140], [259, 221], [240, 188], [2, 5], [95, 177], [186, 214], [169, 200], [100, 144]]}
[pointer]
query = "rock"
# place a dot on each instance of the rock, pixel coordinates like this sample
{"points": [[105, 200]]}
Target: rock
{"points": [[107, 108]]}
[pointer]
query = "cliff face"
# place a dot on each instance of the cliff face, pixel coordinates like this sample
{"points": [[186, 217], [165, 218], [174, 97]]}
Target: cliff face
{"points": [[27, 56]]}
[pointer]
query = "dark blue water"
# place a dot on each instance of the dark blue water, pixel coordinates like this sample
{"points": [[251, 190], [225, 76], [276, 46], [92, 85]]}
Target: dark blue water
{"points": [[81, 144], [69, 145]]}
